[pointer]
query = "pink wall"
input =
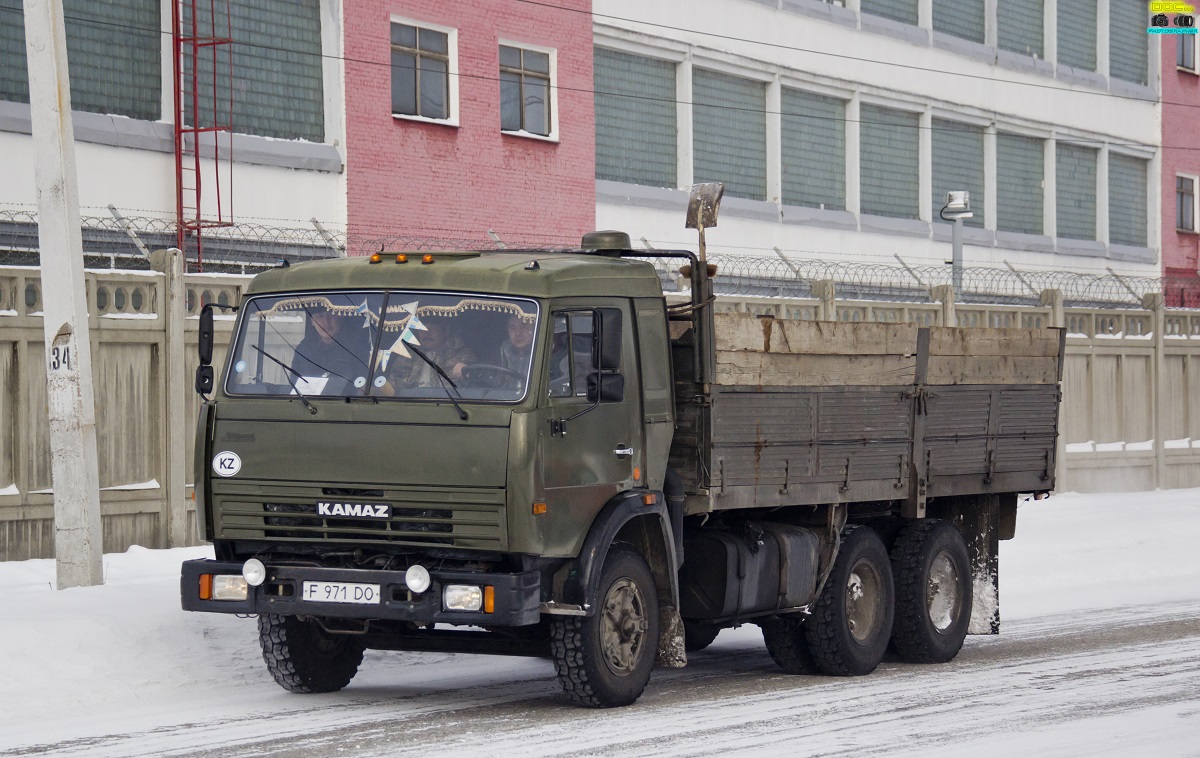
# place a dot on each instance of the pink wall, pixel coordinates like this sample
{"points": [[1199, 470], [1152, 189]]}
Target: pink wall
{"points": [[445, 182], [1181, 129]]}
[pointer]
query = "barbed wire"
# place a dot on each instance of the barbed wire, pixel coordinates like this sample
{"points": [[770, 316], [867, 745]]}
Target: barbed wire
{"points": [[238, 245], [251, 246], [752, 276]]}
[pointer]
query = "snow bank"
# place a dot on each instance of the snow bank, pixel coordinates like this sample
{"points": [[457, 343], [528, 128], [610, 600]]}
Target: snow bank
{"points": [[1076, 552], [124, 659]]}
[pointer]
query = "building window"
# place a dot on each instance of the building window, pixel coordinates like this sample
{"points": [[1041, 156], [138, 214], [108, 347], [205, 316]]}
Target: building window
{"points": [[889, 162], [277, 84], [961, 18], [421, 68], [904, 11], [1128, 44], [1127, 204], [127, 84], [1077, 33], [635, 119], [1185, 52], [1075, 197], [1185, 203], [1020, 166], [1019, 26], [814, 150], [957, 165], [525, 104], [729, 133]]}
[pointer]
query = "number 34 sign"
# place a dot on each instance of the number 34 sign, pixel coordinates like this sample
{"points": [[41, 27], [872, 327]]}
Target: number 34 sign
{"points": [[60, 358]]}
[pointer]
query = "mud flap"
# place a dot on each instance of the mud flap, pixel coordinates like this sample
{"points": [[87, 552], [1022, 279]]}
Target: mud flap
{"points": [[977, 518], [671, 652]]}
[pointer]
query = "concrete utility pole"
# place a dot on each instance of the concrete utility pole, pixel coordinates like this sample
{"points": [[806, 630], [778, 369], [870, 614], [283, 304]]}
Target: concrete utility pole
{"points": [[77, 532]]}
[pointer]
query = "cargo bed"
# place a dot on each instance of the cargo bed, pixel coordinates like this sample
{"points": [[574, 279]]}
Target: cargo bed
{"points": [[805, 412]]}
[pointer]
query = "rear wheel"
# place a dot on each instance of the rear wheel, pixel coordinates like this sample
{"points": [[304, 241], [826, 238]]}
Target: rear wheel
{"points": [[786, 644], [304, 658], [933, 592], [604, 660], [847, 633], [697, 635]]}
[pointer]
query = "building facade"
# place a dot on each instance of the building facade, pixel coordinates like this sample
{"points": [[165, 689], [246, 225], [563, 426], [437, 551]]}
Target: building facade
{"points": [[469, 117], [1181, 170], [838, 127], [283, 76]]}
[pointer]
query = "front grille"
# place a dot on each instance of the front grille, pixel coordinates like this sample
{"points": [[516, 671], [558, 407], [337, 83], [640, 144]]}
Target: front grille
{"points": [[465, 518], [405, 522]]}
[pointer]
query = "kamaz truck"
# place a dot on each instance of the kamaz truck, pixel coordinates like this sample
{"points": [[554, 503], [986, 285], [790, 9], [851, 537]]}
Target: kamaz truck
{"points": [[540, 454]]}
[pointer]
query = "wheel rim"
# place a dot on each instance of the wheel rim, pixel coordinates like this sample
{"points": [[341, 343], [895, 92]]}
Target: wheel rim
{"points": [[623, 627], [864, 600], [943, 599]]}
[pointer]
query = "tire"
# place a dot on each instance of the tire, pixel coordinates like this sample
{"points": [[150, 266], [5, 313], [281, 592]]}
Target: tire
{"points": [[697, 635], [847, 633], [933, 592], [597, 675], [304, 658], [786, 644]]}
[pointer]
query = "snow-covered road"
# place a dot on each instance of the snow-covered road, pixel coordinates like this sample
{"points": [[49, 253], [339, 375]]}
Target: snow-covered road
{"points": [[1099, 655]]}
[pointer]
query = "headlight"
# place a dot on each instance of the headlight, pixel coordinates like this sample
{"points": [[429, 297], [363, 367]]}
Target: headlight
{"points": [[229, 587], [254, 572], [417, 578], [462, 597]]}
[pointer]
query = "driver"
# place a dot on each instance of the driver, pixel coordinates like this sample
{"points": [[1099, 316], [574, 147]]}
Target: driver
{"points": [[443, 346], [331, 347]]}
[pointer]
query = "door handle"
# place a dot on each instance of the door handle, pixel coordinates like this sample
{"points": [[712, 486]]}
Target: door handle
{"points": [[623, 452]]}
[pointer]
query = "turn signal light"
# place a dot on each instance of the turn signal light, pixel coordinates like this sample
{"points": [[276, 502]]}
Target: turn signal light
{"points": [[427, 258], [489, 599], [206, 586], [401, 258], [539, 508], [376, 258]]}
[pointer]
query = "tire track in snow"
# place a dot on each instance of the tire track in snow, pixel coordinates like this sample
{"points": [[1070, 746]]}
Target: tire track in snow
{"points": [[1039, 674]]}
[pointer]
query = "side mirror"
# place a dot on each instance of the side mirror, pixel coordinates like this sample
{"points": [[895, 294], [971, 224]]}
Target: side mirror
{"points": [[204, 380], [206, 336], [605, 388], [606, 344]]}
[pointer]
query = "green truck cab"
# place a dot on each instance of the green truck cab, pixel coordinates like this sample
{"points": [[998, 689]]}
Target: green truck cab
{"points": [[533, 453]]}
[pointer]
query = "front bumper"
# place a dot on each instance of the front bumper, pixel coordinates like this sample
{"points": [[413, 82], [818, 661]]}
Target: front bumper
{"points": [[517, 595]]}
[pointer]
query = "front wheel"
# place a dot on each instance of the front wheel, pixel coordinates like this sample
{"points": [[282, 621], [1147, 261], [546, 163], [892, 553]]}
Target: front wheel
{"points": [[851, 622], [302, 657], [604, 660]]}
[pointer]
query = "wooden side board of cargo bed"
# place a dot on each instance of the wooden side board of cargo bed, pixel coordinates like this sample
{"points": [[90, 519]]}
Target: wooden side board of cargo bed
{"points": [[806, 412], [768, 352]]}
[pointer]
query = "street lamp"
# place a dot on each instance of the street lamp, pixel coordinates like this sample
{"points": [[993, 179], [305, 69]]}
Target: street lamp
{"points": [[957, 207]]}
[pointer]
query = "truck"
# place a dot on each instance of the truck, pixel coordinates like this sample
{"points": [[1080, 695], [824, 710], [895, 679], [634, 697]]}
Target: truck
{"points": [[612, 489]]}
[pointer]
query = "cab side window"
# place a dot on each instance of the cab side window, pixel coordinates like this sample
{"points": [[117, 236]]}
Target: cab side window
{"points": [[571, 354]]}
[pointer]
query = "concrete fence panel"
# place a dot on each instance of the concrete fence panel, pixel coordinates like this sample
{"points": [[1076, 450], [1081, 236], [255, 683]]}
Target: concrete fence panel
{"points": [[1130, 415]]}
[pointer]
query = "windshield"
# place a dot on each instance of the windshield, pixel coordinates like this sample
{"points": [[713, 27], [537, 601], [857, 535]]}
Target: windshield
{"points": [[429, 344]]}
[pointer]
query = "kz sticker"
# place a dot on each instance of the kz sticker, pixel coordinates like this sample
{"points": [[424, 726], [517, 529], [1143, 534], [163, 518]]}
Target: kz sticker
{"points": [[227, 464]]}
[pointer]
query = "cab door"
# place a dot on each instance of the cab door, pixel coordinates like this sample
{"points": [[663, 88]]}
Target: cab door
{"points": [[591, 450]]}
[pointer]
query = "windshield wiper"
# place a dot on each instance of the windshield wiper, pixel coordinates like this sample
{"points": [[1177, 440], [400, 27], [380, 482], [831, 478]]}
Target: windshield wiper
{"points": [[462, 415], [311, 408]]}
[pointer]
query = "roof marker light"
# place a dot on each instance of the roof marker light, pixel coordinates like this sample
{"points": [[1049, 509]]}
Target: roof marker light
{"points": [[375, 258], [426, 258], [401, 258]]}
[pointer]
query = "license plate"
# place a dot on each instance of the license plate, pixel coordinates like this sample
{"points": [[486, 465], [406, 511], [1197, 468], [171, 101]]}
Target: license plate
{"points": [[341, 592]]}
